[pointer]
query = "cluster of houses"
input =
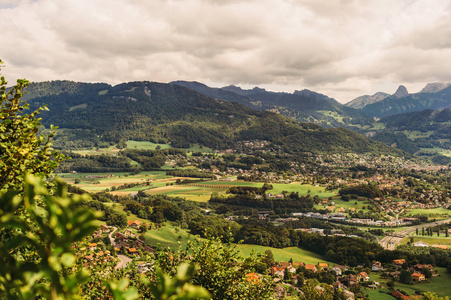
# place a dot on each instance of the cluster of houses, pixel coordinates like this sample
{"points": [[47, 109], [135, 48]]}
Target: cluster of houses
{"points": [[344, 280], [415, 270], [128, 242], [400, 295], [95, 257], [343, 218]]}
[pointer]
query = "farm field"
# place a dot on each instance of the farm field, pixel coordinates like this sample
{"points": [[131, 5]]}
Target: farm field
{"points": [[200, 194], [160, 183], [435, 240], [438, 212], [303, 189], [439, 284], [169, 236], [97, 151], [348, 204], [141, 145], [96, 182]]}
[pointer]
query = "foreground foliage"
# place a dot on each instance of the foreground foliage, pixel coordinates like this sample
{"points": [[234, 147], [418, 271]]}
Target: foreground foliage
{"points": [[37, 231], [22, 147]]}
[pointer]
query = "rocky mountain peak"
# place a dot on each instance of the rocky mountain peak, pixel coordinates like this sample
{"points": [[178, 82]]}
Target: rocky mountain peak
{"points": [[435, 87], [401, 92]]}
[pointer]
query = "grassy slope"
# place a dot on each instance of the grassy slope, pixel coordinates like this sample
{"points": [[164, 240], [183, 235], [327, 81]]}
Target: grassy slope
{"points": [[168, 237], [439, 284], [376, 295]]}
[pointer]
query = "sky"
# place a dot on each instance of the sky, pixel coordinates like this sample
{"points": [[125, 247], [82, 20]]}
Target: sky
{"points": [[341, 48]]}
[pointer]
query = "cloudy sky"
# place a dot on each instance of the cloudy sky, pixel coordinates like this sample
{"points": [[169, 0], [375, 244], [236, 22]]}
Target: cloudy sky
{"points": [[342, 48]]}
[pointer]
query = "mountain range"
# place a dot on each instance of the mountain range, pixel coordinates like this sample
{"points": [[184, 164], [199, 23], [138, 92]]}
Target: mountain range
{"points": [[360, 114], [184, 113], [170, 113], [303, 105], [434, 96]]}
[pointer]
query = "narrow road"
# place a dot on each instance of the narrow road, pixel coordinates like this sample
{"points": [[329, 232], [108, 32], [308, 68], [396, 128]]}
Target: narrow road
{"points": [[123, 261], [391, 242], [111, 236]]}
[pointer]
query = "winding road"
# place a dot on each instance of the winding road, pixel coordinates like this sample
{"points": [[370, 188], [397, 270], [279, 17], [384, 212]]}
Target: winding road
{"points": [[391, 242], [123, 260]]}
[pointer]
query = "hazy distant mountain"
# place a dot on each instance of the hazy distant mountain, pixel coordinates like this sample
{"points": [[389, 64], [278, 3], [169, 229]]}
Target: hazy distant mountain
{"points": [[217, 93], [401, 92], [362, 101], [315, 95], [237, 90], [402, 102], [435, 87], [304, 106], [169, 113]]}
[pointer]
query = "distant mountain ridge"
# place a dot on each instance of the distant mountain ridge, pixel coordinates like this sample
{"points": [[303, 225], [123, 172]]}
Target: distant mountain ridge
{"points": [[433, 96], [402, 102], [365, 100], [303, 106], [435, 87]]}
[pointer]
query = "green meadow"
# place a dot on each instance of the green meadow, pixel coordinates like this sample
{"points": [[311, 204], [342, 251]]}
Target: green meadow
{"points": [[439, 284], [170, 237], [438, 212], [430, 240]]}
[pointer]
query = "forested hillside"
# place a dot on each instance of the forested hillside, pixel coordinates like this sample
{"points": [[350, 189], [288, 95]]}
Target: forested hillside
{"points": [[303, 106], [168, 113]]}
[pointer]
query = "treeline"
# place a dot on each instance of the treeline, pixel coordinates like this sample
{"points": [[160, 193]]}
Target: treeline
{"points": [[161, 208], [248, 190], [95, 163], [291, 203], [151, 159], [189, 173], [363, 190], [110, 216]]}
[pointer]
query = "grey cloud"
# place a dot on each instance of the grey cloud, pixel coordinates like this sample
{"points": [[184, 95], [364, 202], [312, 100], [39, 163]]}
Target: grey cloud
{"points": [[340, 47]]}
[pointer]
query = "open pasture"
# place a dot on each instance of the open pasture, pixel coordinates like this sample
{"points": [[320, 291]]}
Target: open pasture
{"points": [[96, 182], [438, 212], [160, 183], [170, 236], [201, 194], [439, 284]]}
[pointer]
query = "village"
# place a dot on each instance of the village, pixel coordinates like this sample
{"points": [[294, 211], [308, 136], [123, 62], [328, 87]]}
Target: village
{"points": [[121, 248]]}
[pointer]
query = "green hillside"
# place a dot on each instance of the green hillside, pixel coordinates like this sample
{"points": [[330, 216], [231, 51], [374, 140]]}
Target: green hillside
{"points": [[427, 133], [303, 106], [101, 115]]}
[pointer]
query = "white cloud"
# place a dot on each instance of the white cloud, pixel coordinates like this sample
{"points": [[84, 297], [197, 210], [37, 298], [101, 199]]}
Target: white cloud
{"points": [[343, 48]]}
